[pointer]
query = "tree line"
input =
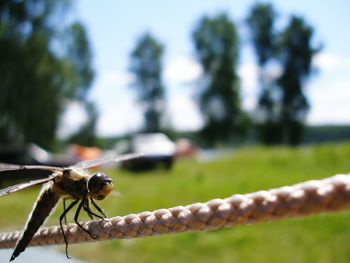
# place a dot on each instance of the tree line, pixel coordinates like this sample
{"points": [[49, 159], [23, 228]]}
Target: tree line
{"points": [[45, 63], [282, 104]]}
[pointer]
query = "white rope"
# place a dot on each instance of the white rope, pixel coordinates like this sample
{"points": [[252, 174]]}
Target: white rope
{"points": [[311, 197]]}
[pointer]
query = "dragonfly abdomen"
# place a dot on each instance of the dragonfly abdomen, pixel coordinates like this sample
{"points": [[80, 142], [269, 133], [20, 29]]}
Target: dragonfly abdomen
{"points": [[46, 202]]}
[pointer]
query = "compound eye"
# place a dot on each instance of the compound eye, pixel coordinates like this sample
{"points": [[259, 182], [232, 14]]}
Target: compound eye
{"points": [[97, 181]]}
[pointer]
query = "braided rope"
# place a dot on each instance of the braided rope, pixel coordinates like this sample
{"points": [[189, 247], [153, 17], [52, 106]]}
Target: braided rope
{"points": [[311, 197]]}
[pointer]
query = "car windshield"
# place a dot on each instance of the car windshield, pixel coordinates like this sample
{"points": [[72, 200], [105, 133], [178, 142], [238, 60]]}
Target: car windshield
{"points": [[153, 144]]}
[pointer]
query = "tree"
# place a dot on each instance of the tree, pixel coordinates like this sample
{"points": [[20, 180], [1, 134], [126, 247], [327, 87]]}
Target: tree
{"points": [[295, 53], [261, 22], [79, 58], [216, 45], [39, 68], [282, 103], [146, 65]]}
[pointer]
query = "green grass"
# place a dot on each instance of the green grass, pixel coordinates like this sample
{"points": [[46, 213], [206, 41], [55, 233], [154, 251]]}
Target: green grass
{"points": [[320, 238]]}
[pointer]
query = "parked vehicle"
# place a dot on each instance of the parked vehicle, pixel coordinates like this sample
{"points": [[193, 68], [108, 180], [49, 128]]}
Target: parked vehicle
{"points": [[157, 148]]}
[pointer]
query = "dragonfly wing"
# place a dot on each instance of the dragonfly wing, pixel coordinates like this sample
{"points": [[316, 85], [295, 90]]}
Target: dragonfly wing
{"points": [[17, 187], [105, 160], [47, 200], [9, 167], [14, 167]]}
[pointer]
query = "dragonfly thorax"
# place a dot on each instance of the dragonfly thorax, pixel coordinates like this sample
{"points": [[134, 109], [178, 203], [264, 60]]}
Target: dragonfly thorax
{"points": [[99, 186]]}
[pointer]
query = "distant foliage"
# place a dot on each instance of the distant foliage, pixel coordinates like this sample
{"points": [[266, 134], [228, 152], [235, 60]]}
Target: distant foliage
{"points": [[295, 54], [216, 45], [44, 62], [146, 66], [282, 103], [261, 23]]}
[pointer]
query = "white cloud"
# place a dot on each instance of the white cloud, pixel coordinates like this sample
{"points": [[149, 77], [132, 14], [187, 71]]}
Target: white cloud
{"points": [[182, 70], [326, 61], [121, 117], [117, 109], [329, 115], [331, 61], [184, 113], [72, 118], [249, 103], [115, 78], [330, 102], [248, 73], [272, 70]]}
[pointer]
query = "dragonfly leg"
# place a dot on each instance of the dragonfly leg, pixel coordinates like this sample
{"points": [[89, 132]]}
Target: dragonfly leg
{"points": [[86, 207], [76, 216], [64, 208], [64, 216], [98, 208]]}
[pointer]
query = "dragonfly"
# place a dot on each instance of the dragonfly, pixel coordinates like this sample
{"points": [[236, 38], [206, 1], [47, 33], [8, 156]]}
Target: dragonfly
{"points": [[74, 182]]}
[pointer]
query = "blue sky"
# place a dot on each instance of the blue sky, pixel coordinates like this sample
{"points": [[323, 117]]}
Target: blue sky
{"points": [[114, 26]]}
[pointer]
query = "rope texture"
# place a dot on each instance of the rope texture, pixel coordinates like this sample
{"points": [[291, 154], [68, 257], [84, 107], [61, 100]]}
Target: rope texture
{"points": [[311, 197]]}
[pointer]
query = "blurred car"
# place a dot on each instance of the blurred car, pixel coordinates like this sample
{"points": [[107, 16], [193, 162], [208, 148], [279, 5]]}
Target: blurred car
{"points": [[157, 148]]}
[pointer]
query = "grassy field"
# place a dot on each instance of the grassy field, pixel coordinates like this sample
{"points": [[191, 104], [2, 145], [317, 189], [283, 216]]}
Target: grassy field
{"points": [[321, 238]]}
